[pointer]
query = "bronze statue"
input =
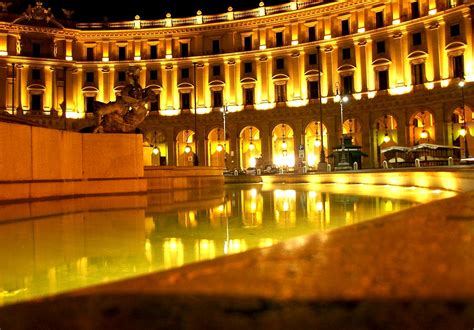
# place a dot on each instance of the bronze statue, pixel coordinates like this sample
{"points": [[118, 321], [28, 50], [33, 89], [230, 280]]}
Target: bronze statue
{"points": [[125, 114]]}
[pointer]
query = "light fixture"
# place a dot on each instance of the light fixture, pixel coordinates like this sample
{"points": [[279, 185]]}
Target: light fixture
{"points": [[156, 151], [284, 145], [251, 146], [187, 149], [462, 132], [423, 134], [461, 83], [317, 143], [386, 138], [345, 98], [219, 147]]}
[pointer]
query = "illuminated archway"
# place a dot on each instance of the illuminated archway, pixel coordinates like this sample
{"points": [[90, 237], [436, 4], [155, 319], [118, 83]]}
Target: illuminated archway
{"points": [[463, 130], [386, 128], [352, 129], [185, 147], [314, 143], [250, 146], [422, 129], [215, 147], [155, 149], [283, 146]]}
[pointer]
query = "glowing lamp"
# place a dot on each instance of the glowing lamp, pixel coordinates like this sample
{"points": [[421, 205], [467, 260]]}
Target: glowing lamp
{"points": [[251, 146], [461, 83], [462, 132], [284, 145], [317, 143], [386, 138], [219, 148], [423, 134], [345, 98], [187, 149], [156, 151]]}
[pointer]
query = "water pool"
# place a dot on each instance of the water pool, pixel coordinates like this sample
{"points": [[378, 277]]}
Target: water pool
{"points": [[49, 247]]}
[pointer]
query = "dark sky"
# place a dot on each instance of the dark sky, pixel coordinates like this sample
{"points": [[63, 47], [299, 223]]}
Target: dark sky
{"points": [[96, 10]]}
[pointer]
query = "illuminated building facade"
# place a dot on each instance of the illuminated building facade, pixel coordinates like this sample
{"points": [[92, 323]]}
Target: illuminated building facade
{"points": [[400, 63]]}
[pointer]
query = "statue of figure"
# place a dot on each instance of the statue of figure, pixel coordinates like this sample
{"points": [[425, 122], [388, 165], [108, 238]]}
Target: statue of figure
{"points": [[125, 114]]}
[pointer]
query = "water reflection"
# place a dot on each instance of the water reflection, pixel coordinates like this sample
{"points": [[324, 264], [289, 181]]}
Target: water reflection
{"points": [[61, 245]]}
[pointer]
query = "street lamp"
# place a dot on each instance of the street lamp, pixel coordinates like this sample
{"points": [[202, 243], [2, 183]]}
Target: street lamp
{"points": [[224, 115], [195, 156], [322, 166], [343, 164], [464, 130]]}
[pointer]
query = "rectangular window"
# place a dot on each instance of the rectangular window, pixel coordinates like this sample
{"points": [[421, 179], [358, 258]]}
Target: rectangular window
{"points": [[248, 43], [345, 27], [415, 9], [90, 103], [379, 19], [455, 30], [153, 52], [185, 73], [280, 93], [153, 74], [416, 38], [121, 76], [383, 80], [216, 47], [313, 89], [347, 85], [36, 102], [36, 74], [248, 67], [346, 53], [36, 49], [279, 38], [122, 53], [248, 96], [184, 50], [90, 77], [313, 59], [380, 47], [90, 53], [216, 70], [280, 64], [418, 74], [458, 66], [311, 33], [217, 99], [185, 100]]}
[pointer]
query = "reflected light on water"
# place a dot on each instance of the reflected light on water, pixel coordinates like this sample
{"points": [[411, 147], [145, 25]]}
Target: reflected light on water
{"points": [[65, 251]]}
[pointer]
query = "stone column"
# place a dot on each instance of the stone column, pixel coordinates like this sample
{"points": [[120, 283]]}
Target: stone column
{"points": [[4, 90], [54, 92], [230, 97], [19, 109], [171, 143], [266, 143]]}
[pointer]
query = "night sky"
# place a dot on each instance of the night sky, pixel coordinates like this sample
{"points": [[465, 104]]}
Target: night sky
{"points": [[96, 10]]}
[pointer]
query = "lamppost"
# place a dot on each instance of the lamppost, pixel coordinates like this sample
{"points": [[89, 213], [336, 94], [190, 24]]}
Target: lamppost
{"points": [[464, 129], [195, 156], [322, 166], [343, 164], [224, 114]]}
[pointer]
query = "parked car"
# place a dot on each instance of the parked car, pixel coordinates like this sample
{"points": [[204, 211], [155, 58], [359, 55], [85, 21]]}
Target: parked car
{"points": [[270, 169]]}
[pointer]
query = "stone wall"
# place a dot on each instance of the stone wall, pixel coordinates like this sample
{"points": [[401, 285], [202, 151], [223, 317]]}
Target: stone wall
{"points": [[42, 163], [183, 177]]}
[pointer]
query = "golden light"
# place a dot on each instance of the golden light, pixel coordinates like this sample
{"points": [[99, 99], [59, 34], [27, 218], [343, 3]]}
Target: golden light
{"points": [[337, 98], [284, 145], [187, 149], [423, 134], [219, 148], [251, 146], [317, 143], [253, 162], [345, 98], [386, 138], [461, 83], [156, 151], [462, 132]]}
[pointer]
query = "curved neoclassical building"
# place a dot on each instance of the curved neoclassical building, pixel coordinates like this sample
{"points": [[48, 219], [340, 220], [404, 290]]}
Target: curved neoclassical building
{"points": [[279, 72]]}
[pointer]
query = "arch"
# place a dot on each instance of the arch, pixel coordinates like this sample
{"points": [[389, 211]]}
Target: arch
{"points": [[313, 144], [462, 129], [455, 45], [417, 54], [283, 146], [154, 87], [352, 130], [381, 61], [38, 88], [280, 76], [217, 147], [90, 89], [216, 83], [386, 127], [250, 146], [185, 85], [421, 122], [185, 147], [248, 80], [312, 72], [346, 67], [155, 138]]}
